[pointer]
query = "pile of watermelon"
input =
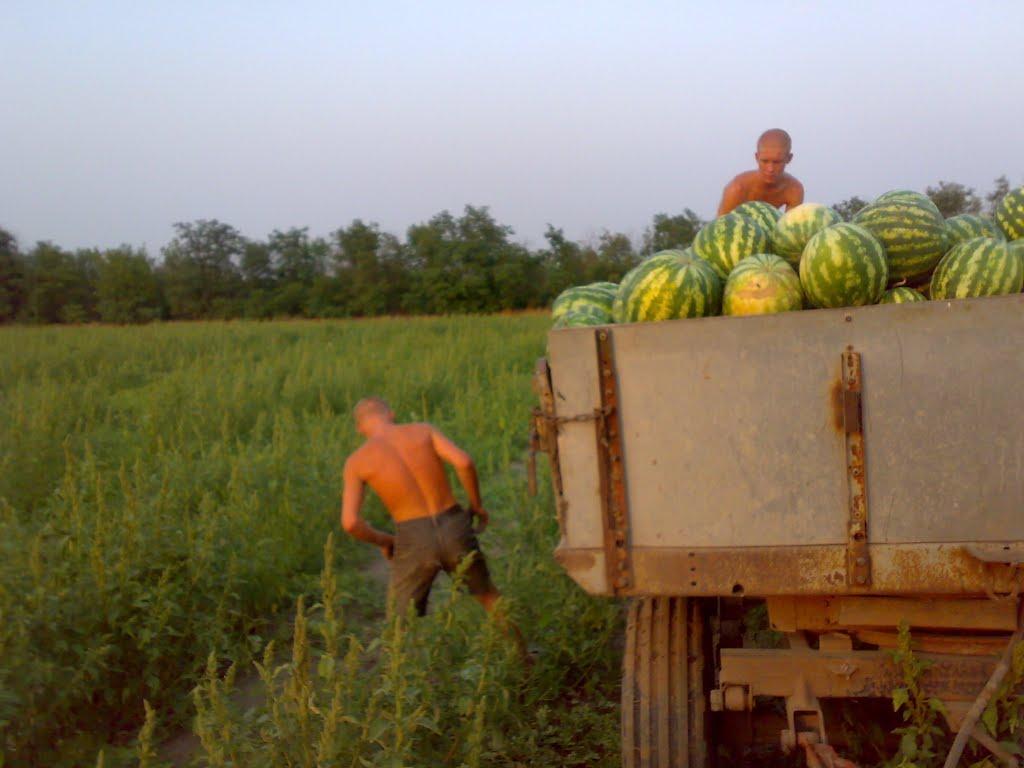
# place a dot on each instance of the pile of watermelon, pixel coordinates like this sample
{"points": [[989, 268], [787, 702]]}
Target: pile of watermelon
{"points": [[757, 260]]}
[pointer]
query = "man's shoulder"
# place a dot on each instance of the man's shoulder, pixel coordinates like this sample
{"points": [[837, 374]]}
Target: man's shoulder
{"points": [[792, 182], [742, 180]]}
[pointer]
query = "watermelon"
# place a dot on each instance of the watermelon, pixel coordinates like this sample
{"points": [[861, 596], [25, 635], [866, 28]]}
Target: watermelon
{"points": [[763, 213], [597, 297], [798, 225], [967, 226], [668, 285], [762, 284], [901, 295], [909, 196], [913, 234], [983, 266], [843, 266], [582, 316], [727, 239], [1010, 214]]}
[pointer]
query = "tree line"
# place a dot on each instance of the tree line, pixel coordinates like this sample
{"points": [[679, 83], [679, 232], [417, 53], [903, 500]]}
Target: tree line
{"points": [[449, 264]]}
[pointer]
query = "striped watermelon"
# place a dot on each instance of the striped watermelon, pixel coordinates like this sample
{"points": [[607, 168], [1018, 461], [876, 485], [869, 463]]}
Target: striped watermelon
{"points": [[983, 266], [582, 316], [762, 284], [668, 285], [798, 225], [909, 196], [763, 213], [596, 298], [967, 226], [727, 239], [913, 234], [843, 266], [901, 295], [1010, 214]]}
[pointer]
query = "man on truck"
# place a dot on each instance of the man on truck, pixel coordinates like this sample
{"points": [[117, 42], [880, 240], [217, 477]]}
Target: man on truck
{"points": [[769, 183], [404, 465]]}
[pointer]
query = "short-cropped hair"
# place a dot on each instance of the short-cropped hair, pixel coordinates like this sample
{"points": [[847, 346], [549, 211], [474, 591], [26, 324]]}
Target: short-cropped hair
{"points": [[370, 406]]}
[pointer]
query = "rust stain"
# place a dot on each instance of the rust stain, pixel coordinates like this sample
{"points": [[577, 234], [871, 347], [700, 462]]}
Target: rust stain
{"points": [[577, 560]]}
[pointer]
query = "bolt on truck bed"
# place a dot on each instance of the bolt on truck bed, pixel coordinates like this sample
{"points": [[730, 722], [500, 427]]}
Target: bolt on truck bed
{"points": [[870, 450]]}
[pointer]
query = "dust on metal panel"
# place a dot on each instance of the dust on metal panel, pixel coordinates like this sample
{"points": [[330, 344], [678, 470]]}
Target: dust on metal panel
{"points": [[897, 569], [731, 439]]}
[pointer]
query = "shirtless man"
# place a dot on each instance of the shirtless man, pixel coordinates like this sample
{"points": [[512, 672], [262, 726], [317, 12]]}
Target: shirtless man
{"points": [[402, 463], [769, 182]]}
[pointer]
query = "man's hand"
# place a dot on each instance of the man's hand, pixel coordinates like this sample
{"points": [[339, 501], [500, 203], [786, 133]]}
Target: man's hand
{"points": [[482, 517]]}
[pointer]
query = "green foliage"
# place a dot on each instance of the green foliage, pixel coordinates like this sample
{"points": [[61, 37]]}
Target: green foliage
{"points": [[166, 489], [448, 689], [668, 232], [923, 740], [953, 199], [12, 277], [848, 207]]}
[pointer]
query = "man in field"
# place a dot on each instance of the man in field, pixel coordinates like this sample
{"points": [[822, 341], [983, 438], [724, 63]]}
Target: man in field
{"points": [[404, 465], [770, 182]]}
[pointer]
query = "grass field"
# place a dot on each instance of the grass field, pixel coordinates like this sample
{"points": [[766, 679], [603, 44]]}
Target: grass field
{"points": [[166, 495]]}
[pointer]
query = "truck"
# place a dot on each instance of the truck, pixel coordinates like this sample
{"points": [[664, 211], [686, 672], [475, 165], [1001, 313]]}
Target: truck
{"points": [[851, 470]]}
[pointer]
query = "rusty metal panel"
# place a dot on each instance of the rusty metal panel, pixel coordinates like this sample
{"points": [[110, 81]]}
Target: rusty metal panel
{"points": [[850, 673], [734, 436], [896, 569], [575, 382]]}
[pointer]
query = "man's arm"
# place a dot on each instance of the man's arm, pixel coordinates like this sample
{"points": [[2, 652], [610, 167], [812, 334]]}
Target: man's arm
{"points": [[464, 467], [353, 522], [795, 195], [732, 196]]}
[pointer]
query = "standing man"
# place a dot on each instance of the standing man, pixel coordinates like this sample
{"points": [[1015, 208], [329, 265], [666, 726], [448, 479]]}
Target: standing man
{"points": [[770, 182], [404, 465]]}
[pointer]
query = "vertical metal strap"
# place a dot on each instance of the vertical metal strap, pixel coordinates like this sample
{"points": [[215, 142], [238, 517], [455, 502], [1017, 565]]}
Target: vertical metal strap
{"points": [[612, 469], [858, 558]]}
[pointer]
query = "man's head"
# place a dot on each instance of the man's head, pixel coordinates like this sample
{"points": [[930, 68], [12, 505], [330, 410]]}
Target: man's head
{"points": [[370, 413], [773, 154]]}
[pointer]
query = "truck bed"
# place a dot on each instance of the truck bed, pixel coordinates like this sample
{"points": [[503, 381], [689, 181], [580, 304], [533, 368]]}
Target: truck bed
{"points": [[735, 437]]}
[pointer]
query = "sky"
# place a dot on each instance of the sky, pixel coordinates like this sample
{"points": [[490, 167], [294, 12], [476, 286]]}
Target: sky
{"points": [[120, 118]]}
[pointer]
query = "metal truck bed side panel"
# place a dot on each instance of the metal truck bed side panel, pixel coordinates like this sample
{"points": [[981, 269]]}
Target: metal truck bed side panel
{"points": [[733, 436]]}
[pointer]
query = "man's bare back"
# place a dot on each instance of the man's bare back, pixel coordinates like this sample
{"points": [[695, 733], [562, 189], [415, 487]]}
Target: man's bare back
{"points": [[402, 463], [769, 183]]}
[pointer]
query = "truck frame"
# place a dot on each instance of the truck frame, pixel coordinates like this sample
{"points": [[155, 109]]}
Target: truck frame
{"points": [[854, 468]]}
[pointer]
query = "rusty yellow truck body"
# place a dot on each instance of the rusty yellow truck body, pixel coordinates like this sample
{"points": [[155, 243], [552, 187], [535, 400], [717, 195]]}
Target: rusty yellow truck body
{"points": [[855, 468]]}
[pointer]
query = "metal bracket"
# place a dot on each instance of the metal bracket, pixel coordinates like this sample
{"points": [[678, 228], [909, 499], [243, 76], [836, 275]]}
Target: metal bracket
{"points": [[615, 511], [858, 558], [544, 437]]}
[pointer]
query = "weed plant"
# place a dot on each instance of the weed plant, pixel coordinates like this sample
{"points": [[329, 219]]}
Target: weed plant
{"points": [[165, 491]]}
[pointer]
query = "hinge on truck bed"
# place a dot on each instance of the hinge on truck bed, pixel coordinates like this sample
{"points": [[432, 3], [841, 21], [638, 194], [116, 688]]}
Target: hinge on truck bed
{"points": [[614, 504], [858, 558]]}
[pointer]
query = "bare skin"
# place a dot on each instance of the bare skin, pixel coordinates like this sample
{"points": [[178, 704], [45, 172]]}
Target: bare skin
{"points": [[769, 183], [404, 465]]}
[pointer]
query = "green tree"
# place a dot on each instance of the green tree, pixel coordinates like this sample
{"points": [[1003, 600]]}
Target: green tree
{"points": [[565, 264], [671, 231], [58, 285], [200, 269], [848, 207], [1000, 190], [126, 287], [611, 258], [457, 262], [372, 270], [12, 277], [953, 199]]}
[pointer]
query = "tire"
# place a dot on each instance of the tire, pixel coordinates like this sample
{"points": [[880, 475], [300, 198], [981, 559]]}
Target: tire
{"points": [[663, 693]]}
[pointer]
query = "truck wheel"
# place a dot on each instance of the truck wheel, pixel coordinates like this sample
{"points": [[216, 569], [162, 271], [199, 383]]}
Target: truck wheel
{"points": [[663, 692]]}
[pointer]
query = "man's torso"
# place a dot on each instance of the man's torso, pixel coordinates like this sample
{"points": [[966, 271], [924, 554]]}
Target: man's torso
{"points": [[781, 193], [403, 468]]}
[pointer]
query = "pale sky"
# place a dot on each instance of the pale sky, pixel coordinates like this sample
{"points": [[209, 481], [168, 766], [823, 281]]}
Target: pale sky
{"points": [[119, 118]]}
